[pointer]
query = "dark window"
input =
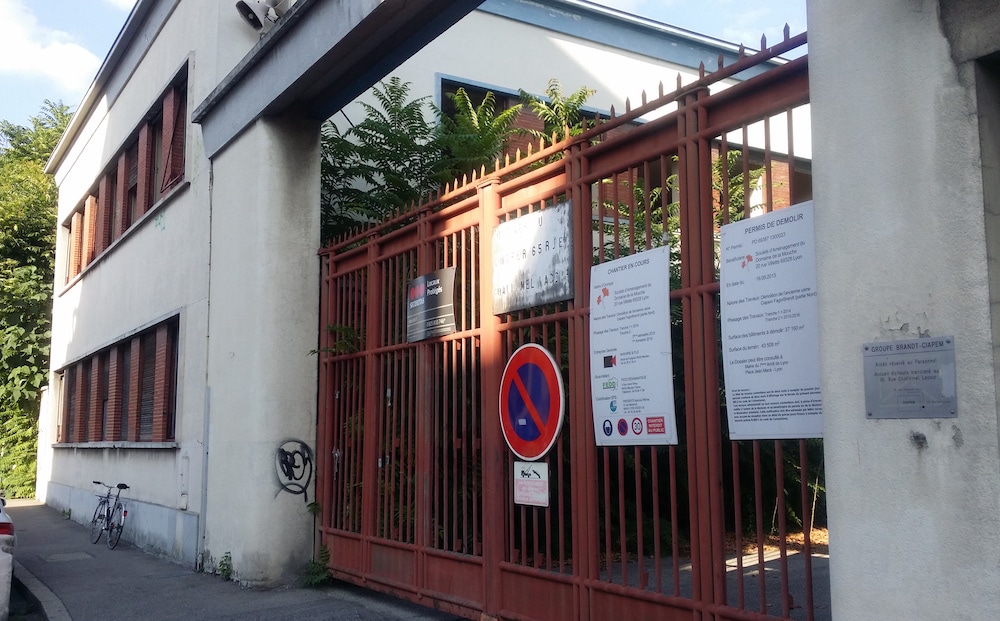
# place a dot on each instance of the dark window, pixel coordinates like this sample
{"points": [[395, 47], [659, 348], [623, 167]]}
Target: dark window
{"points": [[154, 387], [147, 385], [125, 368], [150, 164]]}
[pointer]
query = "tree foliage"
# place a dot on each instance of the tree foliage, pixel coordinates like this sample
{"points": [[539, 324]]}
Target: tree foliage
{"points": [[561, 114], [381, 165], [27, 245], [476, 137], [395, 157]]}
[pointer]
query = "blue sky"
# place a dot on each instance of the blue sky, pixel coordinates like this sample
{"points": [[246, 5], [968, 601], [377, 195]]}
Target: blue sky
{"points": [[52, 49]]}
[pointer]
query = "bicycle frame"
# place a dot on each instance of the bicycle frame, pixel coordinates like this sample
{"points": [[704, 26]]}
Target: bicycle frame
{"points": [[109, 516]]}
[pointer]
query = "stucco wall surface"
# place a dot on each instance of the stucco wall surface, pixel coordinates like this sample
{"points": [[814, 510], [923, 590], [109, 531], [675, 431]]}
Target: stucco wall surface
{"points": [[539, 56], [157, 269], [263, 326], [914, 505]]}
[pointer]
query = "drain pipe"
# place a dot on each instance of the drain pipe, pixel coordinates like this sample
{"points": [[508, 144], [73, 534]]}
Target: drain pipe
{"points": [[202, 517]]}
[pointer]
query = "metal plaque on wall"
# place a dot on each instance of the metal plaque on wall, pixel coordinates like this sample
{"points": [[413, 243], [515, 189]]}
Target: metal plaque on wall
{"points": [[533, 259], [910, 379]]}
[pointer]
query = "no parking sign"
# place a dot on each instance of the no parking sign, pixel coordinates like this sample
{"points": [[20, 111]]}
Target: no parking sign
{"points": [[531, 402]]}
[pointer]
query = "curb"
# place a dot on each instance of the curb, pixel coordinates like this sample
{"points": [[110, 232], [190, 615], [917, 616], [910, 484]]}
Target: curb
{"points": [[32, 588]]}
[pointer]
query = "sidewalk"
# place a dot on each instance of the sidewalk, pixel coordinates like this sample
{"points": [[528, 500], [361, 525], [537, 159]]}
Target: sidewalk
{"points": [[76, 580]]}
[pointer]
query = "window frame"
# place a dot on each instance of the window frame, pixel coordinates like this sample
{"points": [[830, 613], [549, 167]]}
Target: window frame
{"points": [[133, 184], [101, 392]]}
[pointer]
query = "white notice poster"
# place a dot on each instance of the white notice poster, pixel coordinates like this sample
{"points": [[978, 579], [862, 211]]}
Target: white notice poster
{"points": [[631, 374], [770, 335]]}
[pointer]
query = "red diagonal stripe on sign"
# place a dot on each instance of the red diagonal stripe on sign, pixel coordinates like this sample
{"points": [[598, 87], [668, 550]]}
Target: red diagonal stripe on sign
{"points": [[527, 401]]}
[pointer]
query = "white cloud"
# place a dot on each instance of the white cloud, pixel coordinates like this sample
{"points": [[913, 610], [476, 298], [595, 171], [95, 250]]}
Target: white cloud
{"points": [[31, 50]]}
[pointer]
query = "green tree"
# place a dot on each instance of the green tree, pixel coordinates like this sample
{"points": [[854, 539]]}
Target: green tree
{"points": [[27, 245], [381, 165], [476, 137], [560, 113], [395, 157]]}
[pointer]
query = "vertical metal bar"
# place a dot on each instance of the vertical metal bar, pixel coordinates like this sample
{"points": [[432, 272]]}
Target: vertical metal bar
{"points": [[654, 468], [768, 172], [724, 194], [605, 454], [639, 549], [439, 353], [745, 156], [622, 523], [370, 476], [585, 541], [759, 507], [713, 438], [631, 209], [455, 451], [779, 476], [494, 505], [323, 467], [738, 526], [791, 172], [475, 284], [806, 527], [675, 548]]}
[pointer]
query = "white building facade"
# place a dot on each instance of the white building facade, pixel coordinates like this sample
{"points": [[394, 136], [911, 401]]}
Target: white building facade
{"points": [[186, 292]]}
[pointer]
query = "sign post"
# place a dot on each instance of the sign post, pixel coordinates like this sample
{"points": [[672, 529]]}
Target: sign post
{"points": [[531, 402]]}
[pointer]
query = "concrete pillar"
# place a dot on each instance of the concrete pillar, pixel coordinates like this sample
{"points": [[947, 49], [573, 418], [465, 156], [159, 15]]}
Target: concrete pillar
{"points": [[914, 505], [262, 326]]}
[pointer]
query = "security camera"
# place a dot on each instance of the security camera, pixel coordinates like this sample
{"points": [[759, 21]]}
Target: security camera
{"points": [[260, 14]]}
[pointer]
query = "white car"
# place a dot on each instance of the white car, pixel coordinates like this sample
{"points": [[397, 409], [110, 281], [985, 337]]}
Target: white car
{"points": [[8, 538]]}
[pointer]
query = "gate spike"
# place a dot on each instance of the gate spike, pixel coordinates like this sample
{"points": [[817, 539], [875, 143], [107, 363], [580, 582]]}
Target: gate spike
{"points": [[763, 41], [465, 179], [612, 112], [628, 105], [701, 69], [482, 171], [661, 86], [678, 81], [517, 156], [721, 61], [743, 51], [787, 31], [644, 97]]}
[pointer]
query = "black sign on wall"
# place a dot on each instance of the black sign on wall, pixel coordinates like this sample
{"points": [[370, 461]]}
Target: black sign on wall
{"points": [[430, 305]]}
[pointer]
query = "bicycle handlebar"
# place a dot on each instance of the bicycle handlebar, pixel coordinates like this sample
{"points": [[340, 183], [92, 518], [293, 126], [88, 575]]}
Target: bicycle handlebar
{"points": [[121, 486]]}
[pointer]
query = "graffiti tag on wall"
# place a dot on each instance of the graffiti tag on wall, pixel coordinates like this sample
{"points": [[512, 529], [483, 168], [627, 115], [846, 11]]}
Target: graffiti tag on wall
{"points": [[293, 462]]}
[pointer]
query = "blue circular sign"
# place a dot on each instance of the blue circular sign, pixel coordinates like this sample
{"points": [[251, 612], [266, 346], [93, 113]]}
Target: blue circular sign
{"points": [[531, 402]]}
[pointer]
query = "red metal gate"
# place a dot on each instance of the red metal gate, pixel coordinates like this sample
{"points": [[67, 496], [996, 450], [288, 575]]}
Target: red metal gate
{"points": [[415, 480]]}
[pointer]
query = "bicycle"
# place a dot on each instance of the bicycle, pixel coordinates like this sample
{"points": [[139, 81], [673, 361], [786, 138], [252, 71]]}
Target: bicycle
{"points": [[108, 516]]}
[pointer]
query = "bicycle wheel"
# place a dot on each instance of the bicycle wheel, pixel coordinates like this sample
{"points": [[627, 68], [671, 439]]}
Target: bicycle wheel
{"points": [[116, 526], [97, 524]]}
